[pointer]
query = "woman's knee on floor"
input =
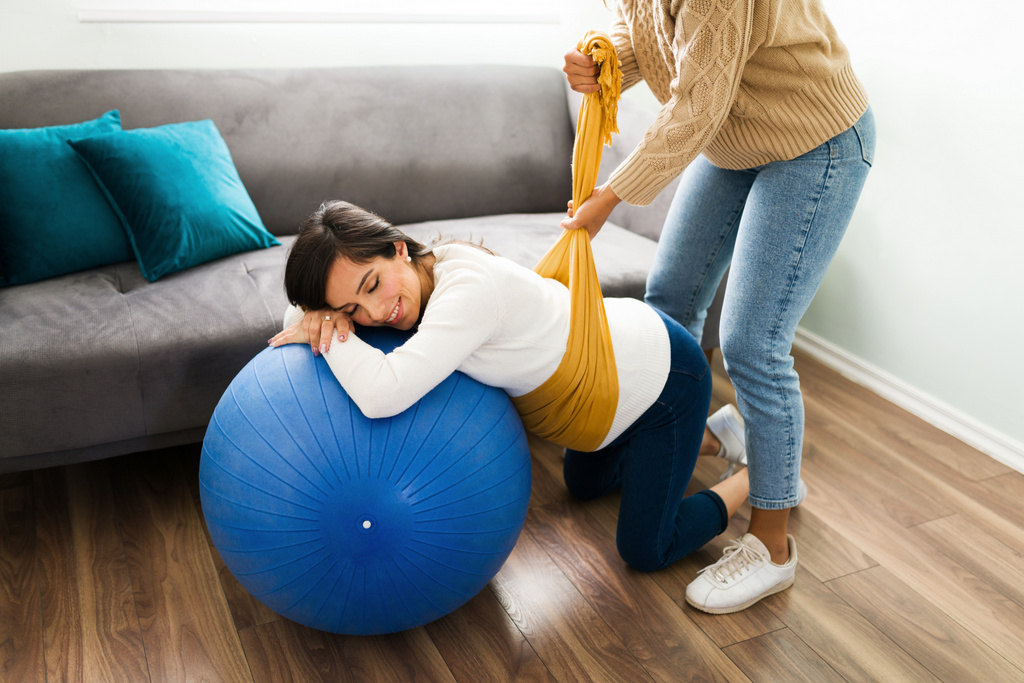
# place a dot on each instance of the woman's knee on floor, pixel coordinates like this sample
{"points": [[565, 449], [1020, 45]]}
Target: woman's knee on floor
{"points": [[592, 475], [642, 557]]}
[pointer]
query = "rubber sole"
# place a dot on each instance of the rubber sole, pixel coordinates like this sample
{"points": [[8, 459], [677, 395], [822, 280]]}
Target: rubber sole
{"points": [[739, 608]]}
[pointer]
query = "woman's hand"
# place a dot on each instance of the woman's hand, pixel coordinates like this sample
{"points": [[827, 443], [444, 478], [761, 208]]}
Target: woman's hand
{"points": [[582, 71], [593, 213], [316, 329]]}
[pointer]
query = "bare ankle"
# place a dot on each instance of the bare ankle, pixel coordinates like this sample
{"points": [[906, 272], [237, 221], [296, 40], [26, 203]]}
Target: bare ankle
{"points": [[780, 554], [771, 528], [709, 445]]}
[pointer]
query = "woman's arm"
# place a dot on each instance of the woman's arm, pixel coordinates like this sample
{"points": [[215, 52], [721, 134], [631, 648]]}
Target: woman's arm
{"points": [[315, 328], [463, 313], [581, 70], [594, 212], [623, 43], [710, 52]]}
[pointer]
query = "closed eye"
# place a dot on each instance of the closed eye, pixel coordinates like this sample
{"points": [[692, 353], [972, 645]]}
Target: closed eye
{"points": [[355, 307], [348, 310]]}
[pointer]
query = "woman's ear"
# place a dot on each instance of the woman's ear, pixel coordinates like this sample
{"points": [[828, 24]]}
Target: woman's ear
{"points": [[401, 249]]}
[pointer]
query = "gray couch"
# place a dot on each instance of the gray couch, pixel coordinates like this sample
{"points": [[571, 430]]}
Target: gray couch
{"points": [[102, 362]]}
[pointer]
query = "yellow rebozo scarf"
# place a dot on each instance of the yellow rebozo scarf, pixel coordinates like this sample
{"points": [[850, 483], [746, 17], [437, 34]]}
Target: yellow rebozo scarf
{"points": [[576, 405]]}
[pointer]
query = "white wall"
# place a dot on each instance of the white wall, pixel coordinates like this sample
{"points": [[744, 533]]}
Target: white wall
{"points": [[46, 34], [927, 288]]}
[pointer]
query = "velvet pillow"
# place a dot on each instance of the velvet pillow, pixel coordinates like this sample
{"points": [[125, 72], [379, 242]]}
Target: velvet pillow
{"points": [[177, 194], [53, 218]]}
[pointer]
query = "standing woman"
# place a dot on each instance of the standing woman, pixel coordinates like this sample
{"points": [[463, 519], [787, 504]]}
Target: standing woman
{"points": [[771, 130]]}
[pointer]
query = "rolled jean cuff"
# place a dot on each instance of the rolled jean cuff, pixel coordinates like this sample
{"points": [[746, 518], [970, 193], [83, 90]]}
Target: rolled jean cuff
{"points": [[761, 504], [722, 510]]}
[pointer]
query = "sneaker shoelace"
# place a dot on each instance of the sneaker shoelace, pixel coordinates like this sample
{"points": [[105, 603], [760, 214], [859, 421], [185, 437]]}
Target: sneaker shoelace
{"points": [[736, 558]]}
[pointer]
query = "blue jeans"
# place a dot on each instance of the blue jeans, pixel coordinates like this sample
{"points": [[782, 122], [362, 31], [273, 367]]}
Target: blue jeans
{"points": [[652, 462], [776, 227]]}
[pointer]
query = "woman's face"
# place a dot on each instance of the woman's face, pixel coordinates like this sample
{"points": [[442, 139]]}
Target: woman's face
{"points": [[386, 292]]}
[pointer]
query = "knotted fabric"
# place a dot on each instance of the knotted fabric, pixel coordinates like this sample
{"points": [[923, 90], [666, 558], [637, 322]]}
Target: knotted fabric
{"points": [[575, 407]]}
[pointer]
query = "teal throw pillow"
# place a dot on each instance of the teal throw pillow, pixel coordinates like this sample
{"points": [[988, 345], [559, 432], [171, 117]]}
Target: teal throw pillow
{"points": [[54, 219], [177, 193]]}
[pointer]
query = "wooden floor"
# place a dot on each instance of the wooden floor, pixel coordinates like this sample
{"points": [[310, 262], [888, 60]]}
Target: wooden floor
{"points": [[911, 569]]}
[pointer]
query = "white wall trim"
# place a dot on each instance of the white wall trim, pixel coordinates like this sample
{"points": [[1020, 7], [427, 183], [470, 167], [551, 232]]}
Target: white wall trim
{"points": [[171, 16], [944, 416], [322, 11]]}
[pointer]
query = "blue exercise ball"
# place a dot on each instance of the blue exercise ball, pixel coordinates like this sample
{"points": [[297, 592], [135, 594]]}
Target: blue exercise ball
{"points": [[359, 526]]}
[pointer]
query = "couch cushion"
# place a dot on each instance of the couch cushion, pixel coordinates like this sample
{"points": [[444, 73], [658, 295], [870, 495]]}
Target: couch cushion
{"points": [[105, 356], [70, 372], [177, 194], [53, 218]]}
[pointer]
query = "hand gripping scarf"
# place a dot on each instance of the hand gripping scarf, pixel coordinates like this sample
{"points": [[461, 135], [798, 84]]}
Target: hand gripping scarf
{"points": [[575, 407]]}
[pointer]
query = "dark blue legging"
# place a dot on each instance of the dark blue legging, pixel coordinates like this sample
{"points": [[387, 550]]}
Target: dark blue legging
{"points": [[652, 462]]}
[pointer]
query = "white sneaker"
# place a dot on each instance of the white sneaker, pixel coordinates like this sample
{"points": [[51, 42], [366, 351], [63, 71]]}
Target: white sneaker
{"points": [[744, 575], [727, 426]]}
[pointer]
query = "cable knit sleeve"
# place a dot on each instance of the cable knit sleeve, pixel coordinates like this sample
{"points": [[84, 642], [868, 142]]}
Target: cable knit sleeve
{"points": [[710, 44], [624, 50]]}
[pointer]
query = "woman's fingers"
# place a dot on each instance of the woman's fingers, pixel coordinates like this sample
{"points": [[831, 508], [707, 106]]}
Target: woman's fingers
{"points": [[593, 212], [317, 329], [326, 332], [321, 328], [289, 335], [343, 325], [581, 70], [314, 322], [313, 335], [578, 63]]}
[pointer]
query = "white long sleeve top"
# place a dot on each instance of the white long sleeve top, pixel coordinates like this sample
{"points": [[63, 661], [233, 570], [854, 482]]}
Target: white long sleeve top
{"points": [[505, 326]]}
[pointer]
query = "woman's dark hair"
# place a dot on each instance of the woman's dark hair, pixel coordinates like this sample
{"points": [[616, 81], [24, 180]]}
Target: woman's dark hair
{"points": [[336, 229]]}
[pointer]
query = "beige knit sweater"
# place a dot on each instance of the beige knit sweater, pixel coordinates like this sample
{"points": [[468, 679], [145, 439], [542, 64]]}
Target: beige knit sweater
{"points": [[746, 82]]}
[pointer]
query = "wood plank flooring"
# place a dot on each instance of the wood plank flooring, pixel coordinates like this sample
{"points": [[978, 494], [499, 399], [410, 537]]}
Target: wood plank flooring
{"points": [[911, 549]]}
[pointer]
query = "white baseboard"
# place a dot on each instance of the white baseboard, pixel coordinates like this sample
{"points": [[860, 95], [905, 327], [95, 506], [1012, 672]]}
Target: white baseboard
{"points": [[944, 416]]}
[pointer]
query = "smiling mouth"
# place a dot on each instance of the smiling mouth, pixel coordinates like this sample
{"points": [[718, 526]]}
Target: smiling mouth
{"points": [[394, 314]]}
